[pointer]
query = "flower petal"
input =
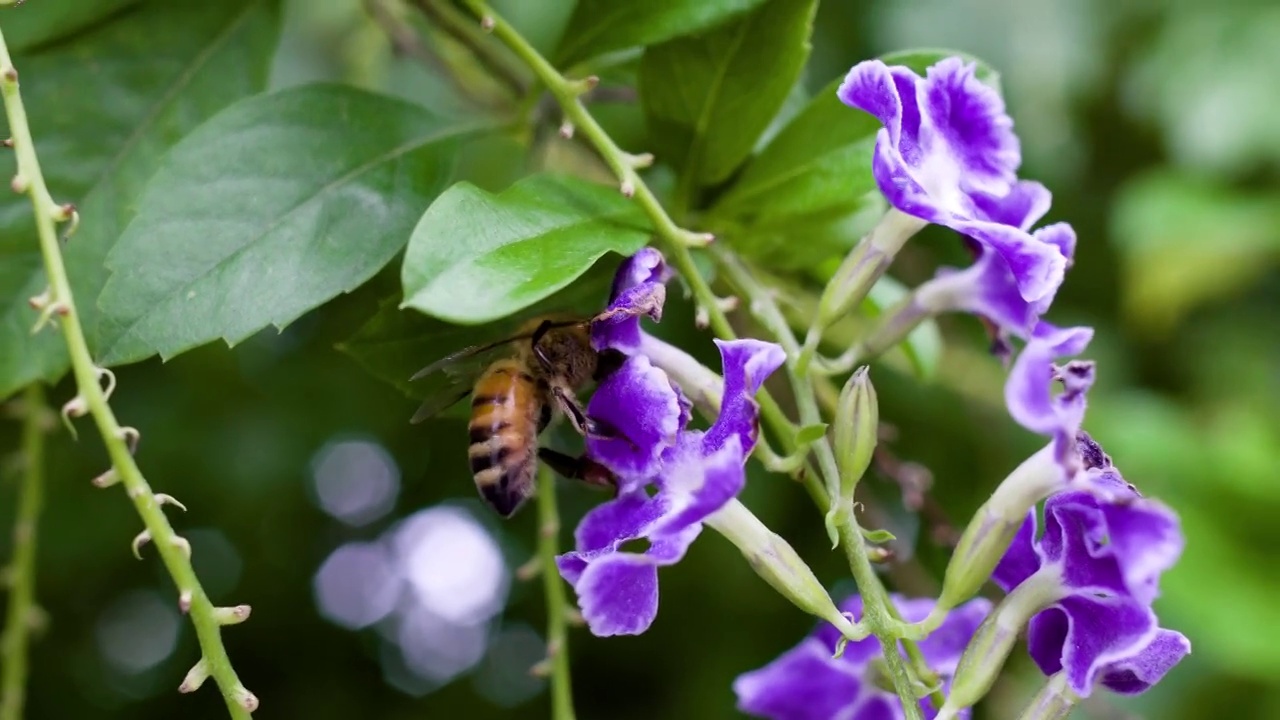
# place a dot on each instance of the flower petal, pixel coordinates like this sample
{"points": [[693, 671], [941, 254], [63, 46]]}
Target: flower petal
{"points": [[618, 594], [1028, 391], [1021, 560], [695, 485], [803, 683], [639, 402], [747, 363], [639, 288], [900, 187], [1023, 206], [612, 523], [1144, 668], [969, 119], [944, 646], [1038, 267], [890, 95], [1084, 635]]}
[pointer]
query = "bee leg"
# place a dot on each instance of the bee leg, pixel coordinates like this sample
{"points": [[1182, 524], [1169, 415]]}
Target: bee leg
{"points": [[538, 351], [577, 468]]}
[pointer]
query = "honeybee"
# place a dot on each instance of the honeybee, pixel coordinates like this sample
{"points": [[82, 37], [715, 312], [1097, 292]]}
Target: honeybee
{"points": [[516, 386]]}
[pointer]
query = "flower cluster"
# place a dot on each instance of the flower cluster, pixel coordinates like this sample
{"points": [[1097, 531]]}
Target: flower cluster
{"points": [[1098, 561], [694, 473], [808, 683]]}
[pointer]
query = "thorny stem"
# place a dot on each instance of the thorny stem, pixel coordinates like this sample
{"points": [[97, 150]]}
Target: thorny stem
{"points": [[174, 551], [557, 606], [677, 241], [22, 571]]}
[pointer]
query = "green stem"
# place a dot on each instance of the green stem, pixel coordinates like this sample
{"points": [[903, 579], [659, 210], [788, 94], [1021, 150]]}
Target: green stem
{"points": [[557, 605], [877, 610], [454, 24], [22, 572], [174, 551]]}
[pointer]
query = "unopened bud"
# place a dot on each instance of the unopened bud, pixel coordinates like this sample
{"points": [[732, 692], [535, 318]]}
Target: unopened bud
{"points": [[856, 430], [984, 657], [232, 615], [994, 525], [774, 560], [195, 677]]}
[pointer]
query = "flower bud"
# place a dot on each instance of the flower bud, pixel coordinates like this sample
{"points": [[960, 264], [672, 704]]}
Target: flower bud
{"points": [[778, 564], [994, 526], [991, 644], [857, 422]]}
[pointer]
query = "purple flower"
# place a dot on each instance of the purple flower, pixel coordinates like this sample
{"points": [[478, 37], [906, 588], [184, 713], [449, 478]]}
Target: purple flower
{"points": [[1029, 395], [639, 288], [696, 474], [947, 147], [807, 683], [988, 287], [1103, 550]]}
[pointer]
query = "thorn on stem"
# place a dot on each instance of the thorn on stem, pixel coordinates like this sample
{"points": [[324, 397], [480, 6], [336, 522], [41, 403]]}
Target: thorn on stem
{"points": [[130, 436], [574, 617], [64, 212], [628, 188], [39, 302], [232, 615], [111, 381], [566, 130], [530, 569], [19, 183], [184, 602], [182, 544], [10, 74], [163, 499], [541, 669], [639, 162], [106, 479], [8, 142], [244, 698], [73, 226], [195, 677], [139, 540], [487, 23], [549, 530], [74, 408]]}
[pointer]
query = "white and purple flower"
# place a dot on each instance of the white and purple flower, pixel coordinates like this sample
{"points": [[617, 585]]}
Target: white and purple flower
{"points": [[1029, 389], [947, 154], [695, 473], [808, 683], [1100, 557]]}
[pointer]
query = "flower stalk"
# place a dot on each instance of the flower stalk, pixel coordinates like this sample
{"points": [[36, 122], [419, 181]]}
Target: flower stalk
{"points": [[557, 607], [22, 571], [92, 399]]}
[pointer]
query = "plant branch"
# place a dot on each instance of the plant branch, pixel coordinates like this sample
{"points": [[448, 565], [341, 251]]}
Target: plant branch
{"points": [[454, 24], [58, 302], [557, 607], [22, 571]]}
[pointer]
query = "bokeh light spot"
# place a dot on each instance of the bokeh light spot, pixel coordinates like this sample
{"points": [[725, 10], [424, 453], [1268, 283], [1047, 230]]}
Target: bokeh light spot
{"points": [[453, 564], [357, 585], [138, 631], [356, 481]]}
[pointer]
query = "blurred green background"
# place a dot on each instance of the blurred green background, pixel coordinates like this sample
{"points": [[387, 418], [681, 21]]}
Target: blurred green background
{"points": [[381, 588]]}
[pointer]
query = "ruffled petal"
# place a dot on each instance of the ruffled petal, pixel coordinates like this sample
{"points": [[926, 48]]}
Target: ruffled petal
{"points": [[747, 363], [639, 402], [626, 517], [639, 289], [1023, 206], [1083, 635], [900, 187], [618, 594], [1021, 560], [803, 683], [890, 96], [695, 485], [1028, 391], [1145, 667], [970, 126], [1038, 268]]}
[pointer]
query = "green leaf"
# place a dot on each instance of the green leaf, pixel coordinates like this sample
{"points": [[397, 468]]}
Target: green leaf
{"points": [[810, 433], [274, 206], [923, 347], [805, 242], [1160, 226], [476, 257], [600, 26], [101, 127], [395, 343], [709, 97], [36, 23]]}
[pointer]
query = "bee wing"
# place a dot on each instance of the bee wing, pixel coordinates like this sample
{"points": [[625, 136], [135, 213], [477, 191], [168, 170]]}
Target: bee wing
{"points": [[460, 369]]}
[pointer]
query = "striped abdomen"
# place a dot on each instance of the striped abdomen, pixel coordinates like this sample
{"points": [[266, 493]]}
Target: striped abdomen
{"points": [[506, 409]]}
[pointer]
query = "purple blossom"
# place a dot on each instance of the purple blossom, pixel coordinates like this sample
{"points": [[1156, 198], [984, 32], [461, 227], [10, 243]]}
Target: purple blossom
{"points": [[1029, 389], [807, 683], [696, 474], [988, 287], [1104, 548], [639, 288], [946, 149]]}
